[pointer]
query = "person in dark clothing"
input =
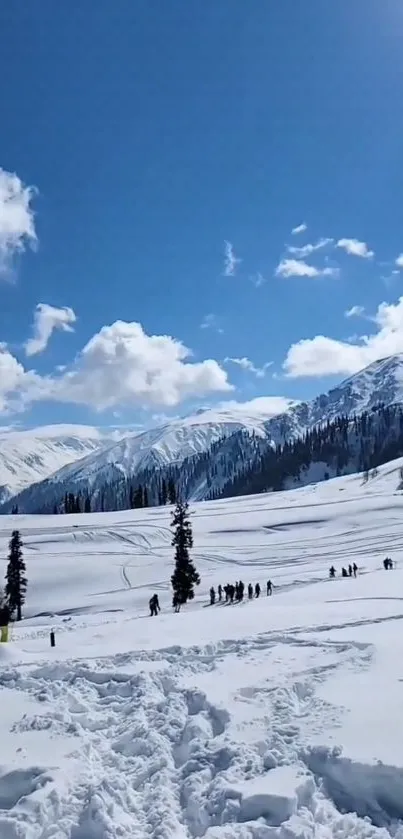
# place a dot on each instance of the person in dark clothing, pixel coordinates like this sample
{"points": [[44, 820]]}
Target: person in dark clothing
{"points": [[4, 615], [355, 569], [219, 592], [250, 591], [332, 572], [241, 589], [231, 592], [154, 605], [236, 590], [257, 590], [176, 603], [212, 596], [344, 572], [269, 588], [350, 570]]}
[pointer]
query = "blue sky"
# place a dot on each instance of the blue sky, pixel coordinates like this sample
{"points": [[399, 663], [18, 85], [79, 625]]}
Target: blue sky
{"points": [[163, 153]]}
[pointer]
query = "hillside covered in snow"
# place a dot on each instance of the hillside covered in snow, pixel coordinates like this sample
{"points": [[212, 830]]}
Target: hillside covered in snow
{"points": [[27, 457], [276, 718]]}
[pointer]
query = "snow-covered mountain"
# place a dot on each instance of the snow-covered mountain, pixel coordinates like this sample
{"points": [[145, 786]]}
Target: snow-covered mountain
{"points": [[181, 439], [27, 457], [170, 443]]}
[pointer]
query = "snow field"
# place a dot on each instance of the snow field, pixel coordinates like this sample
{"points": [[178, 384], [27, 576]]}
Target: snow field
{"points": [[272, 719]]}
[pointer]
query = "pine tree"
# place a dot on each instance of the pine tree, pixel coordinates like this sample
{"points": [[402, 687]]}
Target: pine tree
{"points": [[87, 504], [16, 581], [145, 497], [171, 491], [185, 576], [164, 494]]}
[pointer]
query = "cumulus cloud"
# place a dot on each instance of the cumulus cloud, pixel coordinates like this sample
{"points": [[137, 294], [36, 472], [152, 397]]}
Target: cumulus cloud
{"points": [[18, 387], [230, 260], [306, 250], [264, 406], [355, 248], [246, 364], [46, 320], [354, 312], [300, 228], [299, 268], [321, 356], [122, 365], [17, 228], [399, 261]]}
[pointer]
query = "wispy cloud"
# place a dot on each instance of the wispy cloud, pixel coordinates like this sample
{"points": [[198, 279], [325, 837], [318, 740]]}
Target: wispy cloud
{"points": [[257, 279], [210, 321], [399, 261], [17, 228], [306, 250], [231, 261], [354, 312], [246, 364], [46, 320], [355, 248], [299, 268], [300, 228]]}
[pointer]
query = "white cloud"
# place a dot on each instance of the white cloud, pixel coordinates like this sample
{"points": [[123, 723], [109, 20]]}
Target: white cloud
{"points": [[258, 279], [122, 365], [299, 229], [247, 364], [354, 312], [399, 261], [355, 248], [210, 322], [264, 406], [230, 260], [46, 319], [17, 229], [306, 250], [321, 356], [17, 386], [298, 268]]}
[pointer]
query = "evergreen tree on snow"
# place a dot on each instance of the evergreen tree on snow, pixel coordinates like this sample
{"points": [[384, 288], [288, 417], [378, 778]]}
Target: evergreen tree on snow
{"points": [[16, 581], [185, 576]]}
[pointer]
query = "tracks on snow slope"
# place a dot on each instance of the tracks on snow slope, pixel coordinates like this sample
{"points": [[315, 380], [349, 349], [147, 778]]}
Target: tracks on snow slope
{"points": [[154, 758]]}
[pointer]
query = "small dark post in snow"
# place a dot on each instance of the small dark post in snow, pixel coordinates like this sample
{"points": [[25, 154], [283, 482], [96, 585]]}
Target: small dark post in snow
{"points": [[52, 638]]}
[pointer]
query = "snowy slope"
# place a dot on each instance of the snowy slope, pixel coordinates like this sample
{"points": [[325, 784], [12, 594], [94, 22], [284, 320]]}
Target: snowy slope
{"points": [[27, 457], [272, 719]]}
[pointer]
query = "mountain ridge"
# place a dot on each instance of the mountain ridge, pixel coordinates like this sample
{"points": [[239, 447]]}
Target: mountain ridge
{"points": [[172, 443]]}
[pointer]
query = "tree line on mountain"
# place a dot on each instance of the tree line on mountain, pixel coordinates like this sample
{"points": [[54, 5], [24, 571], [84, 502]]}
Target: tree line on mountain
{"points": [[245, 463], [341, 446]]}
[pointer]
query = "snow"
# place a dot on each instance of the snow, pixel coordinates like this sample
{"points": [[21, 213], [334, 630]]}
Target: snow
{"points": [[28, 456], [272, 719]]}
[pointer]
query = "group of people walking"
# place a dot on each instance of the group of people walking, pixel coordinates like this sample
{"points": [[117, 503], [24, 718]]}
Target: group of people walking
{"points": [[351, 571], [236, 593]]}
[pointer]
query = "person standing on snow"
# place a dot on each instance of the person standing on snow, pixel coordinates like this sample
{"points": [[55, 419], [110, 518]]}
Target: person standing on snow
{"points": [[257, 590], [219, 592], [269, 588], [355, 569], [250, 591], [212, 596], [154, 605]]}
